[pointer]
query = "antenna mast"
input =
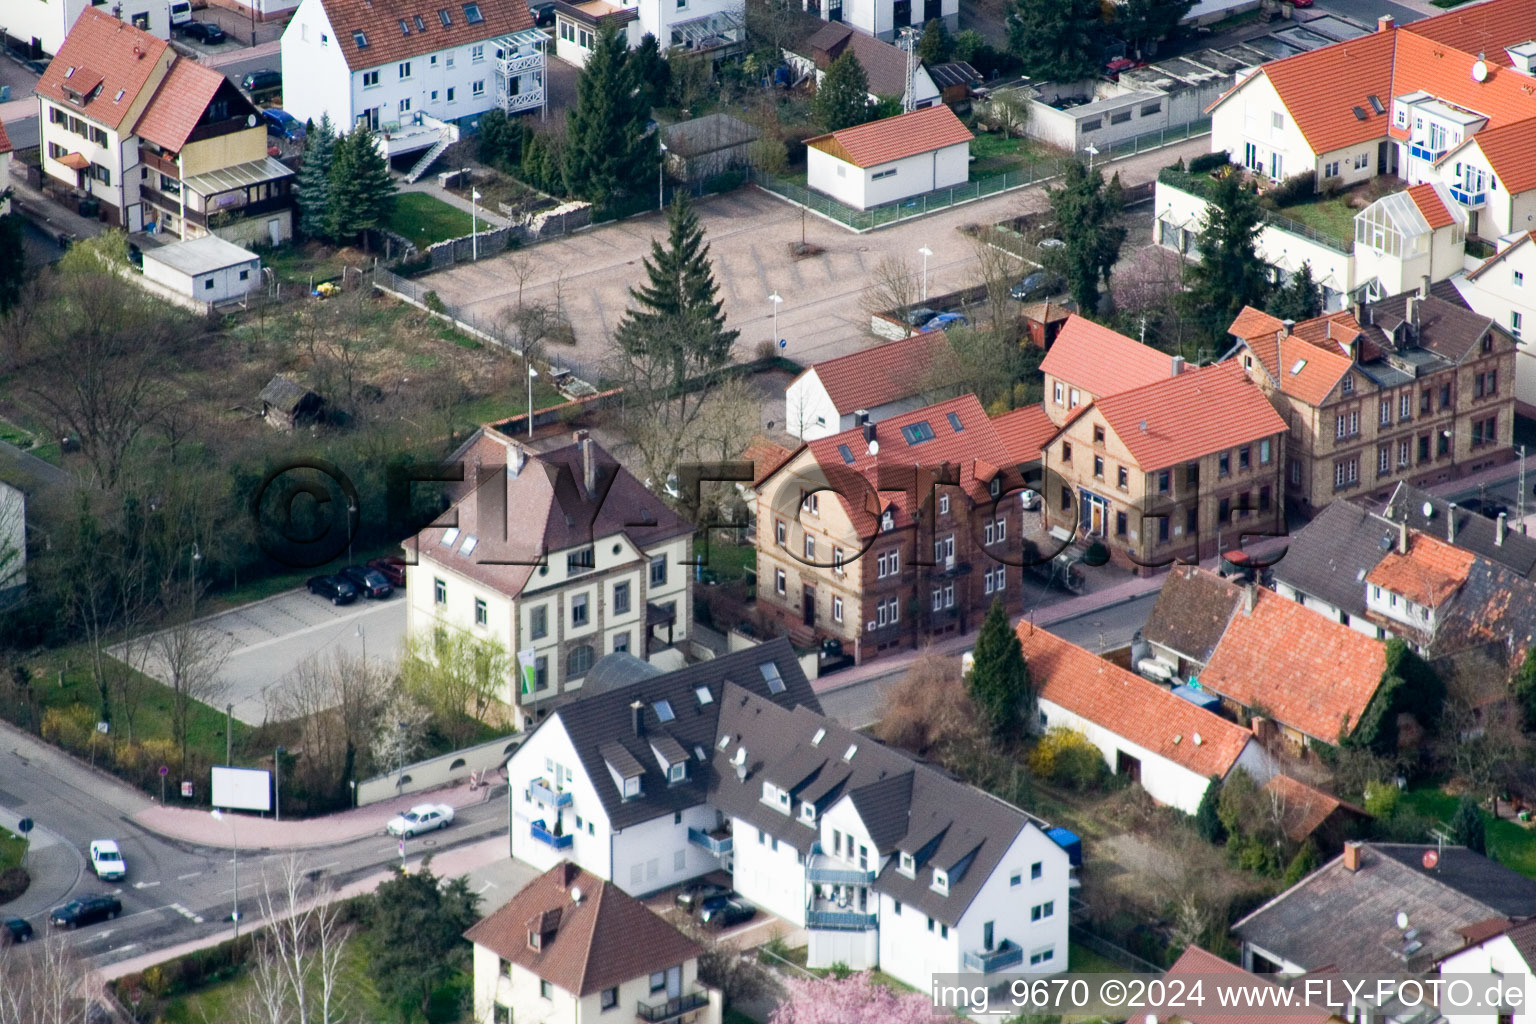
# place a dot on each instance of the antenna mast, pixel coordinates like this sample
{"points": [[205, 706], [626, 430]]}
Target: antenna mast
{"points": [[909, 44]]}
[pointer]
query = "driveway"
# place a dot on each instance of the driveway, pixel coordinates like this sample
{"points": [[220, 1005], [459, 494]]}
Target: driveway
{"points": [[750, 233], [269, 639]]}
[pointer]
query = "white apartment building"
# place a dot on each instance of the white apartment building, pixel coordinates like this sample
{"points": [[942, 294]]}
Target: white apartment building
{"points": [[560, 557], [414, 70], [730, 765], [1504, 290], [716, 27], [884, 19], [42, 25]]}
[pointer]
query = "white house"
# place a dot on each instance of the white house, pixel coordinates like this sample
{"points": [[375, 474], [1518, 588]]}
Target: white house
{"points": [[561, 557], [729, 765], [830, 396], [884, 19], [13, 540], [5, 167], [573, 948], [1498, 289], [1168, 745], [414, 70], [717, 27], [1496, 947], [207, 269], [1408, 236], [258, 10], [43, 24], [889, 160]]}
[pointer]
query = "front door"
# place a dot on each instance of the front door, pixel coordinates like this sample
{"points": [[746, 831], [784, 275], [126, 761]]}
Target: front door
{"points": [[986, 935], [808, 609], [674, 982]]}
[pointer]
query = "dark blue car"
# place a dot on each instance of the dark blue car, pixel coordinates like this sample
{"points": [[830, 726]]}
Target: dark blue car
{"points": [[284, 124]]}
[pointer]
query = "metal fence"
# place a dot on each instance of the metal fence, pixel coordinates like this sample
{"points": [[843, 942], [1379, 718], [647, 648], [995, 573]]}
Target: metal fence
{"points": [[941, 199], [1109, 951]]}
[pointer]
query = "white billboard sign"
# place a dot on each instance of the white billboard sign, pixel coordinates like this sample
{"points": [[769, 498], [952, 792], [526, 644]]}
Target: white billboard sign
{"points": [[242, 789]]}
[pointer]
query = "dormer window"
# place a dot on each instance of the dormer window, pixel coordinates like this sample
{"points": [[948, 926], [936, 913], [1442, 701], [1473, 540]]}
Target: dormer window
{"points": [[808, 812], [631, 787], [941, 881], [908, 865], [534, 940], [677, 772], [887, 521], [996, 487], [784, 801]]}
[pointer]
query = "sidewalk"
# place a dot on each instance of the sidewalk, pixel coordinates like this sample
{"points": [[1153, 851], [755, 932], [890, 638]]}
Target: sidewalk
{"points": [[49, 216], [218, 60], [251, 832]]}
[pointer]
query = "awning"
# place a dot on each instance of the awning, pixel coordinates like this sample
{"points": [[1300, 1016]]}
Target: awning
{"points": [[227, 179], [75, 161]]}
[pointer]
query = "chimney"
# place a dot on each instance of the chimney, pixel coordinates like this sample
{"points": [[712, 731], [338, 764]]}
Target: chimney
{"points": [[1386, 23], [1450, 523], [1250, 598], [860, 417], [517, 458], [1357, 310], [1287, 325], [1424, 286], [569, 872], [1177, 365], [636, 719], [588, 466], [1411, 314], [1501, 529], [1402, 537], [869, 429], [1352, 855]]}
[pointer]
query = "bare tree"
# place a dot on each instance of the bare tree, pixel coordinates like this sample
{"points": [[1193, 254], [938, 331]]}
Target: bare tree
{"points": [[1000, 270], [461, 677], [928, 711], [1008, 110], [299, 954], [44, 983], [337, 703], [13, 537], [893, 288], [401, 731], [189, 657]]}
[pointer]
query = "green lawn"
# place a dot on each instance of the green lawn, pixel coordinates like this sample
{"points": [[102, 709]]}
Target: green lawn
{"points": [[11, 849], [1332, 217], [1082, 960], [426, 219], [302, 263], [496, 408], [1508, 842], [725, 560], [735, 1016], [995, 153]]}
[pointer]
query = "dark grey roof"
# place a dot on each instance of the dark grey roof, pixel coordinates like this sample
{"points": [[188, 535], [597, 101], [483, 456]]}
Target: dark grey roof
{"points": [[620, 760], [1474, 532], [1348, 919], [1192, 612], [708, 134], [902, 802], [615, 670], [596, 724], [1330, 557], [956, 72], [283, 392], [1448, 329], [1448, 291]]}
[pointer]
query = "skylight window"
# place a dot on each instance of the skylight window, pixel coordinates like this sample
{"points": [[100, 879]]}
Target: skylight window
{"points": [[698, 753], [472, 14], [1300, 365], [405, 27], [119, 97], [725, 741], [771, 676], [421, 26], [1360, 114], [705, 697], [444, 17], [847, 455], [468, 546], [853, 748], [449, 536], [917, 433], [821, 734], [1377, 105], [361, 39], [663, 711], [954, 422]]}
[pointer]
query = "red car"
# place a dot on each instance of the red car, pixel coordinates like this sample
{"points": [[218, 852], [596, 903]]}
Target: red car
{"points": [[1119, 64], [392, 567], [1301, 3]]}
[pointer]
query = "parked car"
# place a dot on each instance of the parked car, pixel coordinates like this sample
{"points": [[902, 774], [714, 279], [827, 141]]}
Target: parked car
{"points": [[1119, 64], [1036, 286], [543, 14], [919, 316], [694, 895], [333, 588], [283, 124], [1052, 243], [392, 569], [15, 930], [419, 819], [181, 12], [86, 910], [369, 582], [946, 320], [205, 32], [261, 81], [107, 860], [724, 911], [1029, 498]]}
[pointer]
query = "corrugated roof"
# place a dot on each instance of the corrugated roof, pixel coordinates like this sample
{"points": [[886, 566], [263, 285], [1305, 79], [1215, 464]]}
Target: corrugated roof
{"points": [[1198, 412], [892, 138], [122, 58], [178, 104], [379, 22], [881, 374], [1102, 362]]}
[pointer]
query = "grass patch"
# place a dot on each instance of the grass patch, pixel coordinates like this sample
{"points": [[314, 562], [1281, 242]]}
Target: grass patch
{"points": [[1509, 843], [271, 586], [425, 219], [1082, 960], [723, 558], [1333, 217], [300, 262], [10, 433], [995, 153], [12, 847], [496, 408], [735, 1016]]}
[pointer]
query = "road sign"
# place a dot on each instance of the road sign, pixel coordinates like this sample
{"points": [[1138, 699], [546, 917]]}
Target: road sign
{"points": [[186, 790], [783, 343], [24, 826], [164, 771], [103, 727]]}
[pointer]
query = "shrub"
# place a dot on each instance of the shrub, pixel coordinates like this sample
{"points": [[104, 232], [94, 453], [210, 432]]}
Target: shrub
{"points": [[726, 181], [1301, 865], [1207, 162], [840, 970], [433, 302], [70, 727], [1097, 554], [13, 882], [766, 350], [1332, 186], [1380, 799], [1066, 757], [1298, 188]]}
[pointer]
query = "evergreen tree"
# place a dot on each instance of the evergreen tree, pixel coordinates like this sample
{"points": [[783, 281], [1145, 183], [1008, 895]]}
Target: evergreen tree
{"points": [[1056, 40], [1467, 827], [1086, 209], [999, 678], [608, 154], [935, 45], [1230, 274], [313, 187], [842, 97], [652, 72], [1524, 682], [425, 918], [362, 192], [1301, 865], [679, 319], [500, 141], [1300, 299], [13, 265], [1143, 23], [1207, 818]]}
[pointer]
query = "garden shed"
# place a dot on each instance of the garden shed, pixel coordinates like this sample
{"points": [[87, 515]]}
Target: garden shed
{"points": [[707, 146], [285, 403]]}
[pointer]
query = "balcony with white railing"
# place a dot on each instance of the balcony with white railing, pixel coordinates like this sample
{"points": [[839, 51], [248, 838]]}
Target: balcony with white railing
{"points": [[1419, 151], [520, 69]]}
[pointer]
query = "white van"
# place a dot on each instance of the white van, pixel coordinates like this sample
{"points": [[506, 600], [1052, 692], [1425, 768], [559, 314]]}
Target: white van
{"points": [[181, 12]]}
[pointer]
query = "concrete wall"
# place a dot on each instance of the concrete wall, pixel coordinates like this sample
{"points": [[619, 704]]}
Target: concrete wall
{"points": [[860, 187], [656, 854], [768, 873], [436, 771], [1107, 120]]}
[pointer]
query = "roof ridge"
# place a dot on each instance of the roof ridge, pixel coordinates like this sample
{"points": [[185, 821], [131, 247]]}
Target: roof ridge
{"points": [[587, 964]]}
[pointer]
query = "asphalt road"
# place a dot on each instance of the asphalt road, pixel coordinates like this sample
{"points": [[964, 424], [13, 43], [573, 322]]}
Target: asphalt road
{"points": [[174, 892]]}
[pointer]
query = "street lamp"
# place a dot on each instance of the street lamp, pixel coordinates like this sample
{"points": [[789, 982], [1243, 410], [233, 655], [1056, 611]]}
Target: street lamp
{"points": [[776, 299], [661, 166], [277, 784], [1092, 152], [925, 252], [474, 221], [351, 524], [532, 374], [234, 838]]}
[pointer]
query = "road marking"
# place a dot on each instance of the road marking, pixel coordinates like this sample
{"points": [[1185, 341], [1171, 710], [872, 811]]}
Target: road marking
{"points": [[332, 864], [145, 885], [192, 874], [184, 912], [487, 885], [124, 949]]}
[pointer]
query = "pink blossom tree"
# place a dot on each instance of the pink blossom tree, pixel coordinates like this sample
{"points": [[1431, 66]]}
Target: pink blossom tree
{"points": [[854, 1000]]}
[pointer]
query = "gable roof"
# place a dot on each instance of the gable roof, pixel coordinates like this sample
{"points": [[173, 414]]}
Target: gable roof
{"points": [[1433, 207], [1196, 962], [1303, 809], [892, 138], [178, 104], [379, 21], [1447, 329], [1198, 412], [880, 374], [1473, 532], [1024, 432], [602, 940], [1129, 706], [1498, 257], [1331, 556], [1307, 672], [102, 51], [1347, 919], [1191, 612], [1309, 362], [1507, 149], [765, 456], [1100, 361], [1252, 322], [885, 65], [601, 727], [1428, 574]]}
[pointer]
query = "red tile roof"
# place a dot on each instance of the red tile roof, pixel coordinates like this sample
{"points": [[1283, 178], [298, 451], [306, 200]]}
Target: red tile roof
{"points": [[1322, 87], [1102, 362], [379, 21], [1195, 962], [1303, 809], [1430, 572], [1305, 670], [884, 373], [1251, 322], [1430, 205], [125, 58], [606, 939], [765, 456], [1508, 150], [1025, 431], [1196, 413], [1129, 706], [5, 141], [178, 104], [1436, 68], [893, 138], [1488, 27]]}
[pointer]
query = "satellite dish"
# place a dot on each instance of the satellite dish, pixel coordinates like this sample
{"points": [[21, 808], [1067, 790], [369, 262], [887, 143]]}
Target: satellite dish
{"points": [[1480, 71], [1402, 918], [1431, 858], [1429, 510], [250, 120], [575, 894], [874, 447]]}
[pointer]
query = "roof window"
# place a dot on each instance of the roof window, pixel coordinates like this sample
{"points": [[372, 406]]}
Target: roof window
{"points": [[1301, 364], [361, 39], [468, 547], [847, 455], [405, 27], [472, 14], [663, 709], [917, 433], [821, 734], [771, 676], [449, 536], [853, 748], [444, 17], [705, 697], [954, 422]]}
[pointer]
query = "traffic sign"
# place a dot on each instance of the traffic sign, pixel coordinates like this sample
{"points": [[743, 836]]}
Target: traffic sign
{"points": [[24, 826], [164, 771], [783, 343]]}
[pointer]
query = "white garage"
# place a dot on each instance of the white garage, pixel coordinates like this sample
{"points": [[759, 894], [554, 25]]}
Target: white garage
{"points": [[892, 159], [207, 269]]}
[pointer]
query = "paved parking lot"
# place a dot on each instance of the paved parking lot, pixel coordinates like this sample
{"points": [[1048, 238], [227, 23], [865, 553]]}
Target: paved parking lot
{"points": [[269, 639]]}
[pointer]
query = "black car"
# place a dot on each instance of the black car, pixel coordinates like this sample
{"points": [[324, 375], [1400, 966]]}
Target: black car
{"points": [[87, 910], [334, 588], [392, 568], [15, 930], [204, 32], [1039, 285], [261, 81], [724, 911], [921, 315], [543, 14], [369, 582], [692, 897]]}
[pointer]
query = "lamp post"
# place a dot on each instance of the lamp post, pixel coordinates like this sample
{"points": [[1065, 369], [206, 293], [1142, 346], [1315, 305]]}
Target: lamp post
{"points": [[474, 222], [218, 815], [776, 299], [661, 167], [532, 374], [1092, 152], [229, 733], [277, 783], [925, 252]]}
